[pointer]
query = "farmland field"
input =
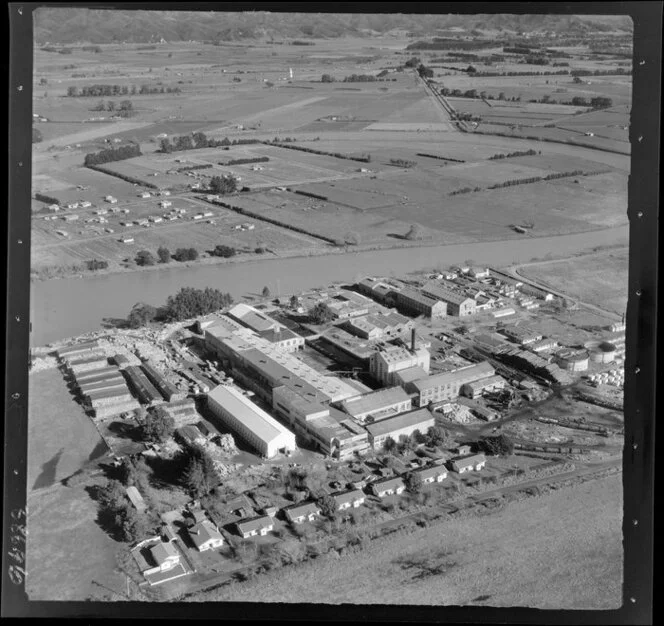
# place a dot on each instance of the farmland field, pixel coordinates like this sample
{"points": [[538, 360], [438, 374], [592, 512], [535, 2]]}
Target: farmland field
{"points": [[501, 560], [597, 279]]}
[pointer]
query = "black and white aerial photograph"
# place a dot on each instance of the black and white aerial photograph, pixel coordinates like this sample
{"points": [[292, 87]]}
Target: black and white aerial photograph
{"points": [[328, 308]]}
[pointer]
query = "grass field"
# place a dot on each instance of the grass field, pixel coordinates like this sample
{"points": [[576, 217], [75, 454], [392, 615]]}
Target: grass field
{"points": [[560, 551], [62, 520], [599, 279]]}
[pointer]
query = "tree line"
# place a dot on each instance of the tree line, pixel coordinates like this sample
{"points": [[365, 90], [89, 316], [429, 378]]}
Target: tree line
{"points": [[198, 140], [97, 90], [112, 154]]}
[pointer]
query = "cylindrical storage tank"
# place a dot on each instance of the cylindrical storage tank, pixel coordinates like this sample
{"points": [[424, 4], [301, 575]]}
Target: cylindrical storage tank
{"points": [[601, 351], [573, 361]]}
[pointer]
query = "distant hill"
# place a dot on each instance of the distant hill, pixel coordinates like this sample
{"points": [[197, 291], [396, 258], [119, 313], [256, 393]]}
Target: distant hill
{"points": [[73, 25]]}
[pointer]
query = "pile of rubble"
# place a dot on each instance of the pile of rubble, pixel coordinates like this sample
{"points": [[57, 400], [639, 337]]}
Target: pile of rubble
{"points": [[42, 364], [227, 444], [224, 470], [461, 414]]}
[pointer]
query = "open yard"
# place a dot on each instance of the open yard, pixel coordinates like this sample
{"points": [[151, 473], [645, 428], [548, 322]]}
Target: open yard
{"points": [[599, 279], [560, 551]]}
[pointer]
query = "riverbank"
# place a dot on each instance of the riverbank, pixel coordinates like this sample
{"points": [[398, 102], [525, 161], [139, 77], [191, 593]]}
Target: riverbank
{"points": [[71, 307], [205, 259]]}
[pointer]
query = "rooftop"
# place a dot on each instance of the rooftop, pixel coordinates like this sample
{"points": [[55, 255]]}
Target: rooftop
{"points": [[204, 531], [416, 296], [279, 334], [411, 374], [375, 401], [479, 370], [254, 523], [257, 420], [446, 295], [398, 422]]}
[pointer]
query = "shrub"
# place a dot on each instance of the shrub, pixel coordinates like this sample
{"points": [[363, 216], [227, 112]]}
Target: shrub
{"points": [[144, 257], [224, 251], [94, 264], [163, 254]]}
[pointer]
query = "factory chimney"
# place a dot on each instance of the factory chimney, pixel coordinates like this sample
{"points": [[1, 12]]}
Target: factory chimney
{"points": [[412, 340]]}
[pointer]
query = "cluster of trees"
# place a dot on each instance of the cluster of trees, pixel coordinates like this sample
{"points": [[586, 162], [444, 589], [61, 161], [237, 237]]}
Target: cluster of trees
{"points": [[189, 168], [224, 251], [124, 109], [142, 314], [424, 71], [158, 426], [321, 314], [223, 184], [403, 162], [262, 159], [185, 254], [362, 159], [199, 475], [191, 302], [497, 446], [145, 257], [121, 515], [112, 154], [517, 153], [536, 59], [95, 264], [358, 78], [103, 90], [198, 140], [36, 135], [44, 198]]}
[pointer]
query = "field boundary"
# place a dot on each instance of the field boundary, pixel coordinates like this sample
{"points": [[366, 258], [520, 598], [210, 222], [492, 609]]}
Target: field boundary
{"points": [[546, 139]]}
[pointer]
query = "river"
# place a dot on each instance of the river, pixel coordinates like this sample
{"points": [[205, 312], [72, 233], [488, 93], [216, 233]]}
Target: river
{"points": [[69, 307]]}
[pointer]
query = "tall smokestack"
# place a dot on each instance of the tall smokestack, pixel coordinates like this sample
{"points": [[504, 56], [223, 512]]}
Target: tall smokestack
{"points": [[412, 340]]}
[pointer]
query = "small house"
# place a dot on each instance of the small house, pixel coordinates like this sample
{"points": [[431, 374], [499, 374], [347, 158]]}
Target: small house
{"points": [[347, 499], [252, 526], [476, 462], [462, 450], [431, 474], [299, 513], [165, 556], [206, 536], [387, 487], [136, 499]]}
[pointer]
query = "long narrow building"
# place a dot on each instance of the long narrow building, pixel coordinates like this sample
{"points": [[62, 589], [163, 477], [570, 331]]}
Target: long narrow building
{"points": [[249, 421], [143, 388]]}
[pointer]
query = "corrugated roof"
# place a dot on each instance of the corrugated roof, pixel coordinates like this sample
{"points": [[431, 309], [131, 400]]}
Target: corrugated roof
{"points": [[375, 401], [411, 373], [255, 419], [445, 295], [405, 420], [415, 296], [473, 372]]}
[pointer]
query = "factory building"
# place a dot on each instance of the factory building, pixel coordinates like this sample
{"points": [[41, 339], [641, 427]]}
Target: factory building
{"points": [[404, 424], [142, 387], [447, 385], [384, 364], [377, 405], [283, 338], [478, 387], [378, 290], [458, 304], [522, 335], [379, 326], [249, 421], [167, 389], [415, 303], [252, 318]]}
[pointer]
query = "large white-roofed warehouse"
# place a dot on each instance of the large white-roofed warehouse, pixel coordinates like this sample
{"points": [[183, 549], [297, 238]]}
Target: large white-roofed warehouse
{"points": [[249, 421]]}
